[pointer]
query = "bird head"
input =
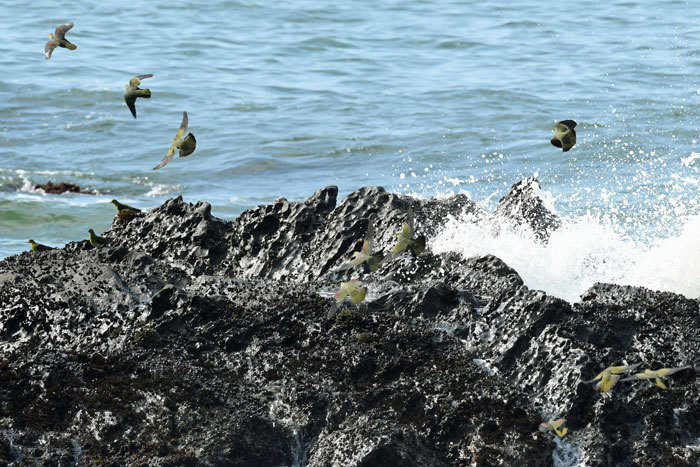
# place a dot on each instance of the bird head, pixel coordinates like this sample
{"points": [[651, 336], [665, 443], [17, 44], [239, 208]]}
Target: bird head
{"points": [[31, 241], [92, 232]]}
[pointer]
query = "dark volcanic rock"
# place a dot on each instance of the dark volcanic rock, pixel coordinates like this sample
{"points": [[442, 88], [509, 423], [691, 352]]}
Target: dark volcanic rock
{"points": [[523, 205], [194, 340], [62, 187]]}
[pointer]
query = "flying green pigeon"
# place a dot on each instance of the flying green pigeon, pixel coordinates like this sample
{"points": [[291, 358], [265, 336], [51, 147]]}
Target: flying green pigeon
{"points": [[352, 289], [611, 375], [38, 246], [405, 238], [656, 375], [96, 240], [553, 425], [564, 135], [373, 261], [186, 145], [58, 39], [125, 212], [133, 91]]}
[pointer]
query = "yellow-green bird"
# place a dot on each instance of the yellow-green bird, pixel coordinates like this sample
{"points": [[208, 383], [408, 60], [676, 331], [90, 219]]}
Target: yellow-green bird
{"points": [[58, 39], [405, 238], [611, 375], [125, 212], [133, 91], [373, 261], [38, 246], [352, 289], [656, 375], [97, 241], [553, 425], [186, 145], [564, 135]]}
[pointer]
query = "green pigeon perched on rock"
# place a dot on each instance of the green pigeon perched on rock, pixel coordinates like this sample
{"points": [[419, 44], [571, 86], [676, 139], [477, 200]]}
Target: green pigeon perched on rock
{"points": [[38, 246], [373, 261], [564, 135], [553, 425], [97, 241], [406, 241], [133, 91], [656, 375], [352, 289], [611, 375], [186, 145], [125, 212], [58, 39]]}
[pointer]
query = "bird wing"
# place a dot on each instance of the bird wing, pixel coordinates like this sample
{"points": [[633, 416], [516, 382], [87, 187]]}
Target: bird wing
{"points": [[570, 124], [173, 146], [168, 157], [561, 129], [545, 426], [670, 371], [48, 49], [366, 246], [63, 29], [638, 376], [600, 375], [345, 266], [556, 424], [130, 100], [356, 293], [341, 294], [183, 126], [624, 368]]}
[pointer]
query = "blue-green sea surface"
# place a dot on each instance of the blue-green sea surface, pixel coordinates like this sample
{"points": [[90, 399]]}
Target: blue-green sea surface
{"points": [[422, 97]]}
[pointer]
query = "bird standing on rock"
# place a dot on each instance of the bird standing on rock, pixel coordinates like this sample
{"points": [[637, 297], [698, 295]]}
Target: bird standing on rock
{"points": [[125, 212], [656, 375], [133, 91], [58, 39], [38, 246], [611, 375], [97, 241], [186, 145], [564, 135]]}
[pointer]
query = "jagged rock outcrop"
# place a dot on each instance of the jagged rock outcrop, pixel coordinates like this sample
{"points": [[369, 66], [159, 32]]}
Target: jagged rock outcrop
{"points": [[193, 340]]}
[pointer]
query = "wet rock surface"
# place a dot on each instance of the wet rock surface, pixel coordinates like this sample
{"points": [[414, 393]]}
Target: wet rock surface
{"points": [[192, 340], [61, 187]]}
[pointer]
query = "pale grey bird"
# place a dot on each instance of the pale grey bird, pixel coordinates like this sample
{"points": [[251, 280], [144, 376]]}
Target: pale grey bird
{"points": [[186, 145], [58, 39], [133, 91]]}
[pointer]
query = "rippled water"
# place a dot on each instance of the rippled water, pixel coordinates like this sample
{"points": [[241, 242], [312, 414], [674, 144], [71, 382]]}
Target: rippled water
{"points": [[422, 97]]}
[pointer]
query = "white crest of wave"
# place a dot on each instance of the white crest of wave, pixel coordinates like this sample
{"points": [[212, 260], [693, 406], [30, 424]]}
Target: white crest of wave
{"points": [[585, 250]]}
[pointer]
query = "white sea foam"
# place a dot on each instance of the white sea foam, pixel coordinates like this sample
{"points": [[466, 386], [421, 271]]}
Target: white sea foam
{"points": [[583, 251]]}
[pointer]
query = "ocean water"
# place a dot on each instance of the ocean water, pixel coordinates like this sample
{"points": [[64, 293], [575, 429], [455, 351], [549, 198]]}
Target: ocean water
{"points": [[426, 97]]}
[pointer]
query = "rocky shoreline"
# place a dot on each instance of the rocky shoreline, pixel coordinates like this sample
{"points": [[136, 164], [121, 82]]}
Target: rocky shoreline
{"points": [[192, 340]]}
